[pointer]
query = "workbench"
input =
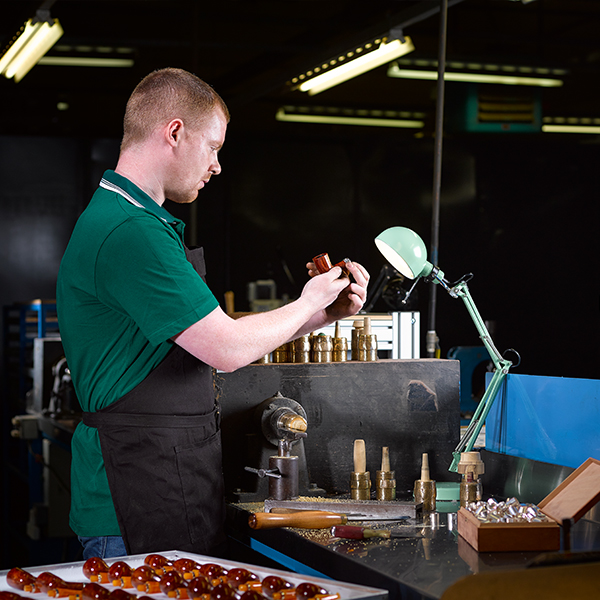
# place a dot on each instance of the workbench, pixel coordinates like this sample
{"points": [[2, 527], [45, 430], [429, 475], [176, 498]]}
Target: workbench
{"points": [[440, 562]]}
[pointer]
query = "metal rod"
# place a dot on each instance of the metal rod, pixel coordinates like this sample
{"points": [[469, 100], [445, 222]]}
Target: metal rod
{"points": [[437, 165]]}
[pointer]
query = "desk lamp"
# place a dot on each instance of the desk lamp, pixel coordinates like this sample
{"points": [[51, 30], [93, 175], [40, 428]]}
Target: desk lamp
{"points": [[406, 252]]}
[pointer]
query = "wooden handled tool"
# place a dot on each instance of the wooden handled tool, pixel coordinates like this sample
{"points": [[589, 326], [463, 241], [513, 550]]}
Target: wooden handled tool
{"points": [[306, 519]]}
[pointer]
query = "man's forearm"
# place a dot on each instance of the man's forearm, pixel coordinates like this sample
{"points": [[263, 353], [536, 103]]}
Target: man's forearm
{"points": [[229, 344], [317, 321]]}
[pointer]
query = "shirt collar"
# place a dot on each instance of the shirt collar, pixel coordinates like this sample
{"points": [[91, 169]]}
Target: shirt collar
{"points": [[134, 195]]}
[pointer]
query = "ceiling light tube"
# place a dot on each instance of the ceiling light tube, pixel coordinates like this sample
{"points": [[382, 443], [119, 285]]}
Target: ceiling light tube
{"points": [[282, 115], [396, 71], [84, 61], [357, 66], [34, 41], [26, 34], [595, 129]]}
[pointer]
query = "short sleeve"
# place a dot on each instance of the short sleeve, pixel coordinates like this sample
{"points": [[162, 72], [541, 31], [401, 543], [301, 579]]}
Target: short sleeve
{"points": [[142, 272]]}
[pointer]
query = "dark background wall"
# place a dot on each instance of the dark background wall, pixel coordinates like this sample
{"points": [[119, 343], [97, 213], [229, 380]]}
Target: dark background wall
{"points": [[518, 211]]}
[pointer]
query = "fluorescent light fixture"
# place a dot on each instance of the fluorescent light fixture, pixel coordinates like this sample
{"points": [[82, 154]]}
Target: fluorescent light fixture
{"points": [[36, 38], [570, 129], [84, 61], [338, 116], [503, 78], [353, 64], [89, 56], [571, 125]]}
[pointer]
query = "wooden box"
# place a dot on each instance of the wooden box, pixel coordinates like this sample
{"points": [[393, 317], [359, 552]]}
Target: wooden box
{"points": [[570, 500]]}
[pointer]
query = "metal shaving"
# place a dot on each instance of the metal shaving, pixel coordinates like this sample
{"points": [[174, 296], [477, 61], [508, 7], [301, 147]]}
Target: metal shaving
{"points": [[509, 511]]}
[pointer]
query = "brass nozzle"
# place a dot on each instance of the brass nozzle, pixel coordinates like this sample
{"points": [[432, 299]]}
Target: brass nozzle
{"points": [[292, 422]]}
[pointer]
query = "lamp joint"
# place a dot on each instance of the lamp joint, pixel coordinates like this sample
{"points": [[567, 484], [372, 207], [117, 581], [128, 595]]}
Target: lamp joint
{"points": [[433, 275], [463, 279]]}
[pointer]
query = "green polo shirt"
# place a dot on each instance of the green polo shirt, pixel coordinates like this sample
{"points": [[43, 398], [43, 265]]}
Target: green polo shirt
{"points": [[124, 289]]}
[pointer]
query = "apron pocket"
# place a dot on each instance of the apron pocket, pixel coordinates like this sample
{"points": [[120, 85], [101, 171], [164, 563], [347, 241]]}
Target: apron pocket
{"points": [[201, 474]]}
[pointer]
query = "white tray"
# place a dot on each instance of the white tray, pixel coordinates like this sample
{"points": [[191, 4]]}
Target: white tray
{"points": [[74, 572]]}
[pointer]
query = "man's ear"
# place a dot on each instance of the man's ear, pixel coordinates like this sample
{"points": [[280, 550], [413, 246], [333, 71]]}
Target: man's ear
{"points": [[173, 131]]}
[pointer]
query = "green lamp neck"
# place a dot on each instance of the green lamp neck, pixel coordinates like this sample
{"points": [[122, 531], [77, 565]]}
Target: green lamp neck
{"points": [[461, 290]]}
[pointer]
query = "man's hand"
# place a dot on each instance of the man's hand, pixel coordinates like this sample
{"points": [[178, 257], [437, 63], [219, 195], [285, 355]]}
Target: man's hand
{"points": [[322, 290], [352, 298]]}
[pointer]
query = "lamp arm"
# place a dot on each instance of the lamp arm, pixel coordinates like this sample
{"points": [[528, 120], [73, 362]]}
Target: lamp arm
{"points": [[502, 366], [462, 291], [467, 441]]}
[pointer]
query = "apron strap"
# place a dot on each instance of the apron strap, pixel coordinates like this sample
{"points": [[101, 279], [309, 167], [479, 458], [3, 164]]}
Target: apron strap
{"points": [[101, 419]]}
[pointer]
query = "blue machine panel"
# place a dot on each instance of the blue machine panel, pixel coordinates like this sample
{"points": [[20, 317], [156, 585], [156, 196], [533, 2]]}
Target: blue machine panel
{"points": [[550, 419]]}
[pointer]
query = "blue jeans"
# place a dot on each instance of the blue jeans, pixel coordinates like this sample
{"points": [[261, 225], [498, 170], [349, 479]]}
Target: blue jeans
{"points": [[108, 546]]}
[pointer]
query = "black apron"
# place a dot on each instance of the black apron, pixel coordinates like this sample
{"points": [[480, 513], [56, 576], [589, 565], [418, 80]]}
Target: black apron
{"points": [[161, 445]]}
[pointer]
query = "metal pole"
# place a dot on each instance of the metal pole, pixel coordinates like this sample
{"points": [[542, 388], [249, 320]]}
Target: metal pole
{"points": [[432, 338]]}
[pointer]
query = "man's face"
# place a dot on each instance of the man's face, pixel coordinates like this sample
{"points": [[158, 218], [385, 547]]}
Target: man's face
{"points": [[196, 158]]}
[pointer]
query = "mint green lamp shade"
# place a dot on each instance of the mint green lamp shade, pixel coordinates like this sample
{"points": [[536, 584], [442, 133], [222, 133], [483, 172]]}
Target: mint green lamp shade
{"points": [[405, 251]]}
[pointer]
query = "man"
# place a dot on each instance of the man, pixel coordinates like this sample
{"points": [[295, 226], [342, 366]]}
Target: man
{"points": [[142, 331]]}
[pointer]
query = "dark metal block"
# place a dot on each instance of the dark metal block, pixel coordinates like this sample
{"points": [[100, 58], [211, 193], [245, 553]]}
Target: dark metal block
{"points": [[411, 406]]}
